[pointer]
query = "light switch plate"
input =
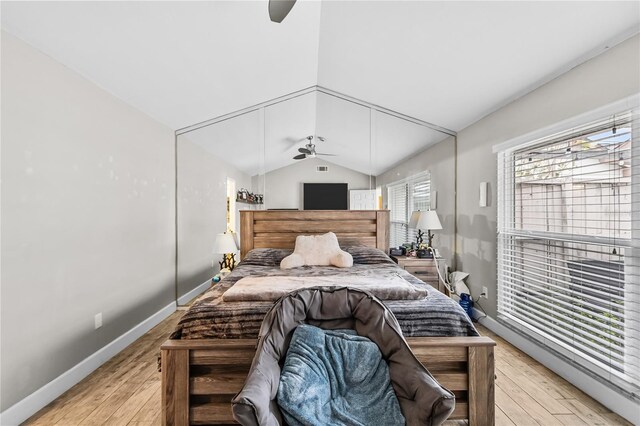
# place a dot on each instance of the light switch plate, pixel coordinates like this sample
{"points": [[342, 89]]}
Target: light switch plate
{"points": [[97, 320], [483, 194]]}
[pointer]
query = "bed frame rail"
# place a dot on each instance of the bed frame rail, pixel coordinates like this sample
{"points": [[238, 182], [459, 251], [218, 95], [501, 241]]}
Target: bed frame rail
{"points": [[200, 377]]}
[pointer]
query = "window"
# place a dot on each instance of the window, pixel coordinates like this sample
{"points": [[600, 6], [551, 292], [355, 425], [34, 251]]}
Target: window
{"points": [[569, 244], [404, 198]]}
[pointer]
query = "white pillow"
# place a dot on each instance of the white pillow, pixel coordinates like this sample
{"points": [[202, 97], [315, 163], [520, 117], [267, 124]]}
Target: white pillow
{"points": [[320, 250]]}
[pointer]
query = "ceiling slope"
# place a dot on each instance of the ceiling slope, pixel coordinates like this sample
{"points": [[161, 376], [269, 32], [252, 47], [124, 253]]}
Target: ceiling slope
{"points": [[453, 62], [180, 62], [448, 63]]}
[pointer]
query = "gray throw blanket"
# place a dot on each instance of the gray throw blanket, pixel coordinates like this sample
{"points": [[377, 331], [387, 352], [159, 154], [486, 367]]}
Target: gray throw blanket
{"points": [[422, 400], [336, 378]]}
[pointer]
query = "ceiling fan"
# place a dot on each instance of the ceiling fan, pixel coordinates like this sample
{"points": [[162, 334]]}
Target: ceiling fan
{"points": [[309, 150], [279, 9]]}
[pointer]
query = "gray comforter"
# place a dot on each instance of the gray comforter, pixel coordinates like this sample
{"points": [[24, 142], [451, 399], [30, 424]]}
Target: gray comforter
{"points": [[211, 317]]}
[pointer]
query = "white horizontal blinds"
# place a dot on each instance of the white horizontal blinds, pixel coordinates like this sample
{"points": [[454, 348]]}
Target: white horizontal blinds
{"points": [[406, 197], [632, 264], [419, 199], [567, 264], [398, 202]]}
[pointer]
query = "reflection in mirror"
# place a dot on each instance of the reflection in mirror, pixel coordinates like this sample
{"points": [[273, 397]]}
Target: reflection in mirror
{"points": [[346, 126], [415, 170], [266, 150], [213, 164], [287, 125], [315, 138]]}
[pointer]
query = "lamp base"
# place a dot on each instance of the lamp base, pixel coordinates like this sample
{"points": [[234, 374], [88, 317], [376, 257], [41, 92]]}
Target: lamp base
{"points": [[424, 254], [228, 261]]}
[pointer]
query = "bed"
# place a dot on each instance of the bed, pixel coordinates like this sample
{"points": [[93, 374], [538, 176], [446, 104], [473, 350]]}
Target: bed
{"points": [[205, 361]]}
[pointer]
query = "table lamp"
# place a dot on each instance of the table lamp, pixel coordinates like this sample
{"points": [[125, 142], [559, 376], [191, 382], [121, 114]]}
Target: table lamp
{"points": [[226, 245], [425, 220]]}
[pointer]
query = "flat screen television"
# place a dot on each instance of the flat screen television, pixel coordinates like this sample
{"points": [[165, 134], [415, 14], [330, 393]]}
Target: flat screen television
{"points": [[325, 196]]}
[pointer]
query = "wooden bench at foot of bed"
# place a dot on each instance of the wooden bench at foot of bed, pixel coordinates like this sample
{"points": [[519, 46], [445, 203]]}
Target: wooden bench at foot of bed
{"points": [[200, 377]]}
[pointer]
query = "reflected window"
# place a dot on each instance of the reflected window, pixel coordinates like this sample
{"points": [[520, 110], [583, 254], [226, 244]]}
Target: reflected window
{"points": [[404, 198]]}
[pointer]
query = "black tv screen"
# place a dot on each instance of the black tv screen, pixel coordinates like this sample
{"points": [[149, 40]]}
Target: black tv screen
{"points": [[325, 196]]}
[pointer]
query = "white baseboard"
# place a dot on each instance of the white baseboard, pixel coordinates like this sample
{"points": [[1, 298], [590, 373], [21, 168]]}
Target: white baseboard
{"points": [[616, 402], [187, 297], [27, 407]]}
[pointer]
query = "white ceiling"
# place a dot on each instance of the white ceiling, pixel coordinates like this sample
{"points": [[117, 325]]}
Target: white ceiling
{"points": [[453, 62], [446, 62], [180, 62]]}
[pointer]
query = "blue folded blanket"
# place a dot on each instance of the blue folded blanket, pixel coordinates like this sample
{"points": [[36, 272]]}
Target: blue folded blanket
{"points": [[336, 378]]}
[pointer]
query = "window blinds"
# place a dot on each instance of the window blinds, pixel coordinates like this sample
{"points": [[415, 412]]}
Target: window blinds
{"points": [[404, 198], [569, 244], [398, 214]]}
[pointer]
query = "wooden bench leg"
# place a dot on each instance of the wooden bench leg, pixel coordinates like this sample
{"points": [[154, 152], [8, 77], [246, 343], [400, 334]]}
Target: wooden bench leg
{"points": [[175, 385], [481, 386]]}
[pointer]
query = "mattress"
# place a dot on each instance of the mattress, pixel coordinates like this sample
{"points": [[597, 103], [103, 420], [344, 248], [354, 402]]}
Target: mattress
{"points": [[211, 317]]}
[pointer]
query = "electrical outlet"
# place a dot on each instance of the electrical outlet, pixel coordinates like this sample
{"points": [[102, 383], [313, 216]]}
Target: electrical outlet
{"points": [[97, 320], [485, 293]]}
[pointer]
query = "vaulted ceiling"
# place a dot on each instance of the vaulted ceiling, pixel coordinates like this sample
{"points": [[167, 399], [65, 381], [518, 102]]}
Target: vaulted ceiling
{"points": [[449, 63]]}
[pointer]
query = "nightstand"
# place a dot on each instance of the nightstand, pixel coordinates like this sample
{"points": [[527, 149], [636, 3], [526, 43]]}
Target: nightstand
{"points": [[424, 269]]}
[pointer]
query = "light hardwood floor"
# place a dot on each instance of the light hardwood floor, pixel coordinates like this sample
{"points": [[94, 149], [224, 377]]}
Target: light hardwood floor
{"points": [[126, 391]]}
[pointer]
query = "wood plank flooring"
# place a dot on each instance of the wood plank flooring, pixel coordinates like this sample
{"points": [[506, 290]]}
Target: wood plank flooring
{"points": [[126, 391]]}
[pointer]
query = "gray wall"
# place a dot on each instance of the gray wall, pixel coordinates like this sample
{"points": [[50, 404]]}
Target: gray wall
{"points": [[284, 185], [87, 218], [202, 209], [439, 160], [600, 81]]}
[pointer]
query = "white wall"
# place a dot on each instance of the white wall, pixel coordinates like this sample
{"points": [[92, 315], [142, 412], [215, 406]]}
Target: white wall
{"points": [[87, 218], [439, 161], [284, 185], [606, 78], [202, 209]]}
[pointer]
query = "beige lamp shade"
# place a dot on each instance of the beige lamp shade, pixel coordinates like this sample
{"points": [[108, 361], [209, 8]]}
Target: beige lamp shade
{"points": [[425, 220], [225, 243]]}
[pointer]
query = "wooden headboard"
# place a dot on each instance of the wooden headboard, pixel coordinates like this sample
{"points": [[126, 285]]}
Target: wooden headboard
{"points": [[279, 228]]}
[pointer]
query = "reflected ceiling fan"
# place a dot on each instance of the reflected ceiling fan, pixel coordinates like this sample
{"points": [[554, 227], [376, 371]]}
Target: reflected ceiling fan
{"points": [[279, 9], [309, 150]]}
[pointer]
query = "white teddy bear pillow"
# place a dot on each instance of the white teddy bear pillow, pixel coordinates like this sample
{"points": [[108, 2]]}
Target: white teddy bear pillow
{"points": [[320, 250]]}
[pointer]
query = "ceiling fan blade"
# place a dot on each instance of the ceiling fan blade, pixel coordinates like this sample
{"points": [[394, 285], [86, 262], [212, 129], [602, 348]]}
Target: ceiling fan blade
{"points": [[300, 157], [304, 150], [279, 9], [330, 155]]}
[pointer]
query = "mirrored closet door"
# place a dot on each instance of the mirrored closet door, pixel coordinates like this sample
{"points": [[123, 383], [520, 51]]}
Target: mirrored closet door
{"points": [[332, 148]]}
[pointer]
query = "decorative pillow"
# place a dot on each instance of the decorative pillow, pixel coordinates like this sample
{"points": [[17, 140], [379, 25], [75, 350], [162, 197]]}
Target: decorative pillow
{"points": [[320, 250], [367, 255], [265, 256]]}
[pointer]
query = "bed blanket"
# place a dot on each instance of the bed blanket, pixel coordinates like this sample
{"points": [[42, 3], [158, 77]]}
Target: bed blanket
{"points": [[336, 377], [211, 317], [386, 286]]}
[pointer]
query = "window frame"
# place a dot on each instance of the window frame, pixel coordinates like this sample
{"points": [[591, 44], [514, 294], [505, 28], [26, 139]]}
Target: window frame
{"points": [[508, 237]]}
